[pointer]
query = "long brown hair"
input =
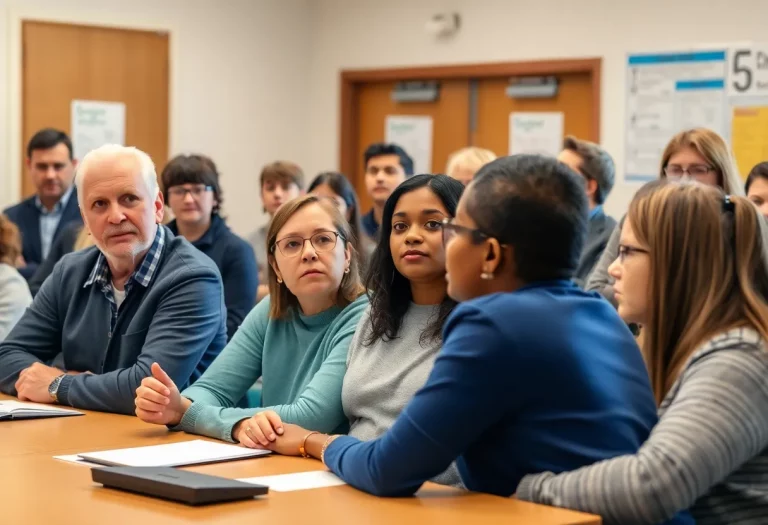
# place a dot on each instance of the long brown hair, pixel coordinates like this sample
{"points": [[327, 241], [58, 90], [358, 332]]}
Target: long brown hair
{"points": [[712, 147], [282, 300], [707, 275], [10, 241]]}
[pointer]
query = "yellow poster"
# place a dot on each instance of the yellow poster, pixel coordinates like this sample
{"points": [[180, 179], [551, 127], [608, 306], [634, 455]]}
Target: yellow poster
{"points": [[749, 137]]}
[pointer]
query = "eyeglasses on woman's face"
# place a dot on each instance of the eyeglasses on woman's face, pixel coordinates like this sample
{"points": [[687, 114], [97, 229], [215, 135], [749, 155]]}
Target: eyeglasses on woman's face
{"points": [[324, 241], [450, 230]]}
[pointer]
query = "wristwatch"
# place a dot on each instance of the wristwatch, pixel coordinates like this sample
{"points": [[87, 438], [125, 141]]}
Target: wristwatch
{"points": [[53, 388]]}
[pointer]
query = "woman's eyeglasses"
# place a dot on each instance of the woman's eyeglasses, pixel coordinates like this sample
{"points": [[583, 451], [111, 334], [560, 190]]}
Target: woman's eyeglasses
{"points": [[694, 171], [625, 251], [293, 246], [450, 230]]}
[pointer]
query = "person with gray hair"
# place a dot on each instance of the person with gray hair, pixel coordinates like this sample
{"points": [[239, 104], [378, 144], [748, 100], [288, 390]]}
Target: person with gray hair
{"points": [[599, 171], [106, 313]]}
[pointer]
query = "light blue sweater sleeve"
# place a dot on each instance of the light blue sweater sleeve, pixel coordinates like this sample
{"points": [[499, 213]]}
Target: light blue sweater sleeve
{"points": [[215, 394], [318, 407]]}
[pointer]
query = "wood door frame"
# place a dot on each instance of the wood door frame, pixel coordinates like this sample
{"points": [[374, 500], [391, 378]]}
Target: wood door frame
{"points": [[353, 79], [19, 14]]}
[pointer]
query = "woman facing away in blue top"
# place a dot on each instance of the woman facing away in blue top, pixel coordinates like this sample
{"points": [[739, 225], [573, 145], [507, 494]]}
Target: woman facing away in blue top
{"points": [[296, 339], [533, 371], [400, 334]]}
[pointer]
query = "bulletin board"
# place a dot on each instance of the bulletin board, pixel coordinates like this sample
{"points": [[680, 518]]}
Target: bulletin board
{"points": [[725, 90]]}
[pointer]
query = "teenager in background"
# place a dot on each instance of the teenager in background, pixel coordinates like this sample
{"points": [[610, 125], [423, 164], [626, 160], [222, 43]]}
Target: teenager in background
{"points": [[386, 166], [192, 191], [280, 182]]}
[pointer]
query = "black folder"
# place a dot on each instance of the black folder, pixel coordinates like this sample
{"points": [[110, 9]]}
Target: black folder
{"points": [[187, 487]]}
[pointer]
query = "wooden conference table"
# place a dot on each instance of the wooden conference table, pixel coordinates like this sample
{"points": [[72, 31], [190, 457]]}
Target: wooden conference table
{"points": [[35, 488]]}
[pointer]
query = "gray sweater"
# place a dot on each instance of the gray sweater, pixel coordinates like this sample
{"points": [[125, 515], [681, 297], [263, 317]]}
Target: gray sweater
{"points": [[382, 378], [14, 298], [709, 450]]}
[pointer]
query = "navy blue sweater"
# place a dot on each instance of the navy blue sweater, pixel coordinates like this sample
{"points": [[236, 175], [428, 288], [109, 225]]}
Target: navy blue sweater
{"points": [[178, 320], [547, 378], [235, 259]]}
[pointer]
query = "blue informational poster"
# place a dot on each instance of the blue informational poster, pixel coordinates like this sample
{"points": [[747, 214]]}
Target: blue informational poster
{"points": [[667, 93]]}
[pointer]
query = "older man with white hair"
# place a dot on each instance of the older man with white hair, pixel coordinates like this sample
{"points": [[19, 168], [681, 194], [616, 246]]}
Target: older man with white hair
{"points": [[140, 296]]}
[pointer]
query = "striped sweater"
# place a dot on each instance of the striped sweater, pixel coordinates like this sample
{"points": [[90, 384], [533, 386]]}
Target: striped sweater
{"points": [[709, 450]]}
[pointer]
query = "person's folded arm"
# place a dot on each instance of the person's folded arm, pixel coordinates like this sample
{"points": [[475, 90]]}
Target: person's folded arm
{"points": [[240, 276], [187, 320], [718, 421], [459, 402], [36, 338]]}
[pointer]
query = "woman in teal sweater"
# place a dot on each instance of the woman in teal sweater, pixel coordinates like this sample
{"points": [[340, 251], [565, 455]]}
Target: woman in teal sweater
{"points": [[296, 339]]}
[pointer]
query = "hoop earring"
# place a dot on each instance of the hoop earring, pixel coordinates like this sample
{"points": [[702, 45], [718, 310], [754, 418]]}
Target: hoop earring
{"points": [[346, 270], [279, 280], [486, 276]]}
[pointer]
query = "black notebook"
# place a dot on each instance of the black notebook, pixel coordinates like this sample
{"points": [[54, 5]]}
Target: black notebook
{"points": [[187, 487]]}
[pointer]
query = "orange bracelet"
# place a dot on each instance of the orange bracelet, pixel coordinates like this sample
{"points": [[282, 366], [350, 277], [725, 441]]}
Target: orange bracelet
{"points": [[302, 448]]}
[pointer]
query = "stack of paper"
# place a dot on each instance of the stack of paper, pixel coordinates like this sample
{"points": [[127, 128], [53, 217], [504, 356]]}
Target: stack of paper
{"points": [[18, 410], [194, 452]]}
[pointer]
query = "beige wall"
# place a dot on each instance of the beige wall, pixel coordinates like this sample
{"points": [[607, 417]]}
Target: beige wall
{"points": [[257, 80], [240, 71], [369, 33]]}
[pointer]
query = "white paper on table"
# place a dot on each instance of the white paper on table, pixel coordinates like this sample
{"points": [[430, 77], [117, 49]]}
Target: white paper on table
{"points": [[298, 481], [193, 452], [77, 461]]}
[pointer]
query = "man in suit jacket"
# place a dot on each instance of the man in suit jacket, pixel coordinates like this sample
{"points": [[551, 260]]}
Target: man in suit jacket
{"points": [[41, 217], [599, 171]]}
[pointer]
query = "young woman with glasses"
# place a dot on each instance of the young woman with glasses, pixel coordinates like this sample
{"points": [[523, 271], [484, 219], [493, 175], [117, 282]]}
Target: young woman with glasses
{"points": [[697, 154], [296, 339], [192, 191]]}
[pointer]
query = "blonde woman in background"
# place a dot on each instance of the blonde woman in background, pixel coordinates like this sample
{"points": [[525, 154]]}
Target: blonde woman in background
{"points": [[692, 270], [72, 238], [464, 163], [697, 154], [14, 293]]}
